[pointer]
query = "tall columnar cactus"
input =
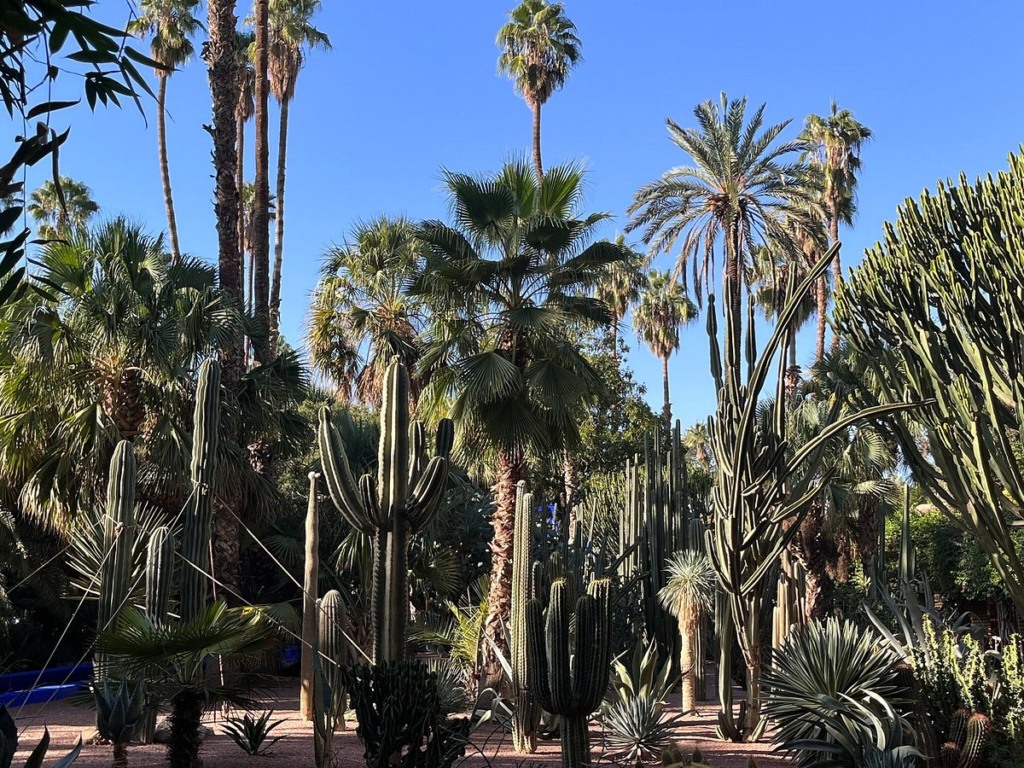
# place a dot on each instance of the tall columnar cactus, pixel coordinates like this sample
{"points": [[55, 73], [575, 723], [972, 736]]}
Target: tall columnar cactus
{"points": [[311, 577], [118, 532], [198, 528], [764, 487], [408, 493], [571, 651], [968, 738], [159, 570], [332, 656], [526, 715]]}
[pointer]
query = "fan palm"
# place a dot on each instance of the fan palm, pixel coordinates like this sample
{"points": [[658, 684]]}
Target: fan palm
{"points": [[664, 307], [291, 33], [744, 188], [506, 284], [60, 211], [688, 594], [360, 303], [621, 288], [172, 25], [539, 48]]}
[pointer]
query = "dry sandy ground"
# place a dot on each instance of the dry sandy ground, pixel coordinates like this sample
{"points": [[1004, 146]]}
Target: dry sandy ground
{"points": [[66, 723]]}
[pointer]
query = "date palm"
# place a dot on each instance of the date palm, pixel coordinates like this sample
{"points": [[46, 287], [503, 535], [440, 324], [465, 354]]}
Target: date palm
{"points": [[688, 595], [621, 288], [507, 283], [663, 309], [745, 187], [360, 304], [834, 142], [539, 48], [61, 212], [172, 24], [291, 34]]}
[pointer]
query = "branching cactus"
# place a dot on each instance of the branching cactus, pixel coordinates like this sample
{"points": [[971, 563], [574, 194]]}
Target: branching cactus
{"points": [[199, 515], [571, 652], [526, 715], [408, 492], [118, 530]]}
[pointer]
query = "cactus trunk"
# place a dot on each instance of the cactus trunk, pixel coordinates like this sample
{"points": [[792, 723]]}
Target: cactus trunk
{"points": [[526, 715], [311, 577], [118, 532]]}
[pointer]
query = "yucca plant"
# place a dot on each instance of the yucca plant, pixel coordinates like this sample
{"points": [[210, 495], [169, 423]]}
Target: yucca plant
{"points": [[638, 730], [688, 594], [250, 733], [835, 695]]}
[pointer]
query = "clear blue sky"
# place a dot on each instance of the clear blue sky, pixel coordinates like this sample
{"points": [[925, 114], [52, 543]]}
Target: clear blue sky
{"points": [[411, 87]]}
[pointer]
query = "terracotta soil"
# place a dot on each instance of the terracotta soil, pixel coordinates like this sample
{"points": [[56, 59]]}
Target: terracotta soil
{"points": [[491, 747]]}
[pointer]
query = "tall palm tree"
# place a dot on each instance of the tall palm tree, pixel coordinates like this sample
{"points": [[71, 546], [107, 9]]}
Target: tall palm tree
{"points": [[58, 212], [245, 109], [360, 304], [172, 24], [834, 142], [507, 283], [621, 288], [744, 188], [539, 48], [664, 307], [688, 595], [291, 33], [261, 203], [697, 440]]}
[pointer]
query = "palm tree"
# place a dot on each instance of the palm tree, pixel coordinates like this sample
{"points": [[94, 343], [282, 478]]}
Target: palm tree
{"points": [[697, 440], [261, 203], [291, 32], [834, 143], [744, 188], [688, 594], [507, 284], [360, 303], [621, 288], [247, 232], [172, 24], [664, 307], [539, 47], [244, 111], [59, 211]]}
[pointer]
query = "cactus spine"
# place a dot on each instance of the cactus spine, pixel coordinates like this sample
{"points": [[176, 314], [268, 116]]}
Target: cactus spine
{"points": [[572, 676], [409, 491], [118, 531], [310, 580], [198, 528], [526, 714]]}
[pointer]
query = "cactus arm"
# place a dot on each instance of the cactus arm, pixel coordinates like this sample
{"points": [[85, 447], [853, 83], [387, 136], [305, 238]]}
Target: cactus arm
{"points": [[558, 648], [340, 482], [445, 438], [536, 647], [418, 447], [426, 496], [368, 493], [159, 569], [393, 454]]}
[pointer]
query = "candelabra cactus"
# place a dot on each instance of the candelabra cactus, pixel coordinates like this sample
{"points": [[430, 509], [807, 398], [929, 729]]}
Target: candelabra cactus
{"points": [[526, 715], [572, 667], [198, 527], [409, 491], [118, 531]]}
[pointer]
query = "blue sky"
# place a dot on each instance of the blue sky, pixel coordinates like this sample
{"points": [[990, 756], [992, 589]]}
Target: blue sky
{"points": [[411, 87]]}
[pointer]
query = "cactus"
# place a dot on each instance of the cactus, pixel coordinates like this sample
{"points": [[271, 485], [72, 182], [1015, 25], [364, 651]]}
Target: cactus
{"points": [[968, 737], [159, 569], [526, 714], [572, 672], [118, 531], [120, 712], [330, 656], [764, 487], [310, 580], [198, 529], [409, 491]]}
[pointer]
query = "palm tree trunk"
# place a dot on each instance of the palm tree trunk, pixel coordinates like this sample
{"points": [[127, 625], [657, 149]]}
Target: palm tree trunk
{"points": [[615, 338], [733, 308], [186, 717], [275, 286], [666, 410], [511, 469], [537, 167], [165, 171], [261, 201], [240, 185], [821, 295], [223, 67], [688, 668], [837, 268]]}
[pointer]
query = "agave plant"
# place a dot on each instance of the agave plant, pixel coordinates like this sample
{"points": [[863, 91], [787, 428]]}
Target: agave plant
{"points": [[637, 730], [646, 675], [250, 733], [120, 711], [835, 696], [9, 745]]}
